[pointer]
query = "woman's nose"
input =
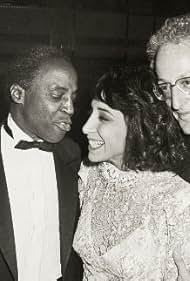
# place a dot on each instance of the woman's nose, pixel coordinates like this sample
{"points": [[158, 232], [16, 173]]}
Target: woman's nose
{"points": [[89, 126]]}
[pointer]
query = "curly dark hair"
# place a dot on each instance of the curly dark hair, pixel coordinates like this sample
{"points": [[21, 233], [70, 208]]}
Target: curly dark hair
{"points": [[26, 65], [154, 139], [174, 30]]}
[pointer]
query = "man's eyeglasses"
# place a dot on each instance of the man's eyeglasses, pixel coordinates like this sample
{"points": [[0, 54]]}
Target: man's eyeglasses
{"points": [[165, 88]]}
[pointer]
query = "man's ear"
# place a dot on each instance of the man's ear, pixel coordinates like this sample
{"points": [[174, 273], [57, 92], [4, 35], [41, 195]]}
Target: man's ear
{"points": [[17, 93]]}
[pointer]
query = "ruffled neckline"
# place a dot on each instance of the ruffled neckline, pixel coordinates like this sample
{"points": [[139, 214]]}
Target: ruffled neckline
{"points": [[112, 173]]}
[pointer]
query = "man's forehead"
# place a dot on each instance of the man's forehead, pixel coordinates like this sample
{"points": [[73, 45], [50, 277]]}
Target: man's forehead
{"points": [[58, 67], [57, 73], [56, 63], [173, 60], [174, 50]]}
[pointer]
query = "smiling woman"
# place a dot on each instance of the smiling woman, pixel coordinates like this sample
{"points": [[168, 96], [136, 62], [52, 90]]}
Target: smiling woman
{"points": [[102, 129], [134, 208], [129, 127]]}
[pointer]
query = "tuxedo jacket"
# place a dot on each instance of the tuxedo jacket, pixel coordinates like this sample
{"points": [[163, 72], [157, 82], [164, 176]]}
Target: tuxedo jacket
{"points": [[67, 161], [184, 172]]}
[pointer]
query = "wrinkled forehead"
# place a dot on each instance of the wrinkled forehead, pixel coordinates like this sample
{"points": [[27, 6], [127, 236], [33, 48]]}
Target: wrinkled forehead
{"points": [[60, 64], [56, 73], [173, 61]]}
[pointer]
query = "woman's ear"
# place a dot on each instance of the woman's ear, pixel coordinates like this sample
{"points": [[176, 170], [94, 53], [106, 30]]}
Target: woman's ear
{"points": [[17, 93]]}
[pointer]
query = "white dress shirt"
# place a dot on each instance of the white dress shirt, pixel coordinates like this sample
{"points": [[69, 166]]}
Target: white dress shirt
{"points": [[32, 188]]}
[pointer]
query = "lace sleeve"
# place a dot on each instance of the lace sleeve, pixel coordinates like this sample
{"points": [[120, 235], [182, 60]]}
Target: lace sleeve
{"points": [[82, 184], [178, 223]]}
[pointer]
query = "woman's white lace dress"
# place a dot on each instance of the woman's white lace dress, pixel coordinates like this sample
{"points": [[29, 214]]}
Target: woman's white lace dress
{"points": [[130, 223]]}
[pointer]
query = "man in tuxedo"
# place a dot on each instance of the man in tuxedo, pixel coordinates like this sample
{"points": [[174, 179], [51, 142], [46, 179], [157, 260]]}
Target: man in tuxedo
{"points": [[169, 54], [38, 170]]}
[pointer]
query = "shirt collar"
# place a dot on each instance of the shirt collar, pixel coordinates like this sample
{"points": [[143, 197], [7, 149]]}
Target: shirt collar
{"points": [[18, 133]]}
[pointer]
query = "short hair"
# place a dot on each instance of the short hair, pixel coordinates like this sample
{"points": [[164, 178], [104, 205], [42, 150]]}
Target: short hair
{"points": [[154, 139], [174, 30], [26, 65]]}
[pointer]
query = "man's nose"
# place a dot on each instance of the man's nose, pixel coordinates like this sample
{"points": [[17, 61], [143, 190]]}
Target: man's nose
{"points": [[67, 106], [176, 98]]}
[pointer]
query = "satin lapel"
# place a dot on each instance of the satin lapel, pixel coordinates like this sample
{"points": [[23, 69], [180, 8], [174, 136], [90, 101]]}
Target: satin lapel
{"points": [[68, 197], [7, 244]]}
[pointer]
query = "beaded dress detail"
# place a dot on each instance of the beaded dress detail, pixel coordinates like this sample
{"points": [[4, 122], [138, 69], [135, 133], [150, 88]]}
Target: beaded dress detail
{"points": [[130, 223]]}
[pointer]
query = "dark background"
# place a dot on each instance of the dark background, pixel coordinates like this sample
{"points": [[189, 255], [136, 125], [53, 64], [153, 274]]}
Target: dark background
{"points": [[96, 33]]}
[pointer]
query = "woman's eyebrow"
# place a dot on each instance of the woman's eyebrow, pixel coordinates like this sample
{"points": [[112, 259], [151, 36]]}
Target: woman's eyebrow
{"points": [[105, 110]]}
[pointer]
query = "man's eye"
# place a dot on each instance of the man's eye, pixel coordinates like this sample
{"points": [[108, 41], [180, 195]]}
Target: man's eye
{"points": [[163, 87], [185, 83], [56, 95]]}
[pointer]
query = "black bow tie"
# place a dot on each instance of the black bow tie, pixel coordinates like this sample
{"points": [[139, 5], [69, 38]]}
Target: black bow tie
{"points": [[45, 146]]}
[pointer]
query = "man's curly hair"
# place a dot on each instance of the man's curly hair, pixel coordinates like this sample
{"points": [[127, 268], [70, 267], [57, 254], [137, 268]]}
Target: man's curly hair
{"points": [[174, 30], [154, 139]]}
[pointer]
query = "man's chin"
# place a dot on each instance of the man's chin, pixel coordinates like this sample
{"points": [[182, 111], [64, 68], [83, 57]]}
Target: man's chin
{"points": [[55, 138]]}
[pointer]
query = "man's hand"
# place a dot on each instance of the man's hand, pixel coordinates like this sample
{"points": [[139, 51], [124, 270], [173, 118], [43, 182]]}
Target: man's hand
{"points": [[183, 273]]}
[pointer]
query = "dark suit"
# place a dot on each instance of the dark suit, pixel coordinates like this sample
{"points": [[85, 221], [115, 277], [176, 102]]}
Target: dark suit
{"points": [[184, 170], [67, 161]]}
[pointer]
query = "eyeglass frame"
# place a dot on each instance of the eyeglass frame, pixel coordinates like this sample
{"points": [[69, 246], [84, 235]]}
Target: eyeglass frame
{"points": [[170, 86]]}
